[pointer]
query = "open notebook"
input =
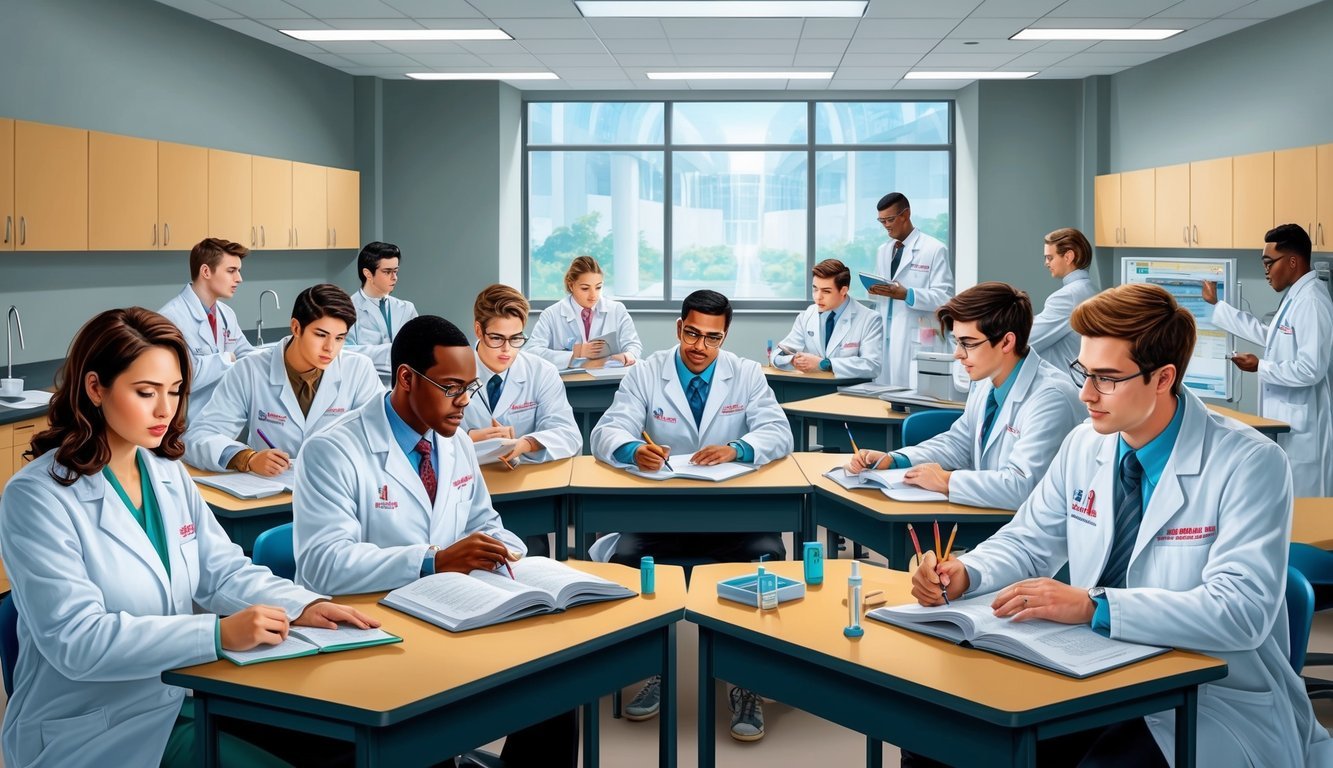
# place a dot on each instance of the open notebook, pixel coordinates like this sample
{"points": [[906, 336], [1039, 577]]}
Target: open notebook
{"points": [[308, 641], [244, 485], [683, 469], [889, 482]]}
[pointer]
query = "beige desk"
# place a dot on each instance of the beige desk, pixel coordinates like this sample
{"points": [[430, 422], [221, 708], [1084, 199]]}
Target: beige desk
{"points": [[873, 422], [1270, 427], [531, 498], [870, 518], [244, 519], [962, 706], [589, 397], [1312, 522], [772, 498], [438, 694]]}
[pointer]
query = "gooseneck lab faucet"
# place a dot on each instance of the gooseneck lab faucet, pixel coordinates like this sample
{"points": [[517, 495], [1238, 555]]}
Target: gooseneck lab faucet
{"points": [[259, 327]]}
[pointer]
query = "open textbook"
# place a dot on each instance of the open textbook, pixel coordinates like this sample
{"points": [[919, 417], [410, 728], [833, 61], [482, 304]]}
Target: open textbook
{"points": [[682, 468], [490, 451], [308, 641], [890, 482], [244, 485], [1070, 649], [459, 601]]}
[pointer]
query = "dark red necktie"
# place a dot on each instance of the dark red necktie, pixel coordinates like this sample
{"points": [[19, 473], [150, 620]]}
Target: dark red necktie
{"points": [[213, 323], [426, 470]]}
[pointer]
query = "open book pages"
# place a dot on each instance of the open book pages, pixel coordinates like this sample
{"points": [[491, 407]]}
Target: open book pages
{"points": [[307, 641], [608, 372], [684, 469], [869, 389], [890, 482], [490, 451], [459, 601], [1070, 649], [244, 485]]}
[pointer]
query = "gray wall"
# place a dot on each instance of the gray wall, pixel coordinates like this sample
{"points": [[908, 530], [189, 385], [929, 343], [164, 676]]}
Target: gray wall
{"points": [[139, 68]]}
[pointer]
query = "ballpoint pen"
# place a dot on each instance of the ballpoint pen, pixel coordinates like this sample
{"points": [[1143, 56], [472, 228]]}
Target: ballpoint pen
{"points": [[264, 437]]}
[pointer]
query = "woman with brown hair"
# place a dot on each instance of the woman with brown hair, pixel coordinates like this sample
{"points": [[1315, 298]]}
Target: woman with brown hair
{"points": [[109, 547], [572, 332]]}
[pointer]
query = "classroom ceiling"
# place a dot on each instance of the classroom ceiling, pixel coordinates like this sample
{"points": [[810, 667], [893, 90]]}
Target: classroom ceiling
{"points": [[869, 53]]}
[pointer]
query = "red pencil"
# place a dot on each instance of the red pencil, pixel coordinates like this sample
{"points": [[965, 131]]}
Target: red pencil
{"points": [[939, 553], [915, 544], [511, 570]]}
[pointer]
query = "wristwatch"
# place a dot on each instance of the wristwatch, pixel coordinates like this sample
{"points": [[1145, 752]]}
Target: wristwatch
{"points": [[1096, 593]]}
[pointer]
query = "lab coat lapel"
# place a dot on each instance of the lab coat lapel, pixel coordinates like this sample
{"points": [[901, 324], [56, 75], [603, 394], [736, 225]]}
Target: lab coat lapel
{"points": [[446, 457], [1186, 457], [718, 392], [329, 384], [200, 315], [841, 328], [515, 382], [573, 321], [675, 391], [380, 439], [173, 507], [1022, 385], [909, 251], [277, 378], [1084, 571], [120, 525]]}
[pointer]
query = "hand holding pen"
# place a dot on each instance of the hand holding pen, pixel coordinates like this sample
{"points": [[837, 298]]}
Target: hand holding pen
{"points": [[269, 462], [934, 578], [649, 453]]}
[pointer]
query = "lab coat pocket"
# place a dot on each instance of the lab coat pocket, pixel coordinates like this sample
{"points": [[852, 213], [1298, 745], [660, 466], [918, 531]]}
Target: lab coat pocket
{"points": [[69, 731], [1268, 737], [1176, 565], [190, 556]]}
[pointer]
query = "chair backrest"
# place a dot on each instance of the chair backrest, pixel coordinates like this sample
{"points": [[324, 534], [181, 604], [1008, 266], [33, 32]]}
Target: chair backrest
{"points": [[923, 425], [1300, 616], [274, 550], [9, 640]]}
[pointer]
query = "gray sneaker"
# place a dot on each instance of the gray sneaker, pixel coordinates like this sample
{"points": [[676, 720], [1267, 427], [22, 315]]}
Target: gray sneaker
{"points": [[647, 702], [747, 715]]}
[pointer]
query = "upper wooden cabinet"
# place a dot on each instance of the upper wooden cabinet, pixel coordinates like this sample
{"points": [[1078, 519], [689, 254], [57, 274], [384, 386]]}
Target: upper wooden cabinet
{"points": [[1323, 225], [1294, 188], [229, 192], [1210, 203], [1138, 213], [9, 232], [310, 214], [122, 193], [1106, 209], [344, 208], [50, 187], [1251, 199], [182, 195], [271, 204], [1171, 185]]}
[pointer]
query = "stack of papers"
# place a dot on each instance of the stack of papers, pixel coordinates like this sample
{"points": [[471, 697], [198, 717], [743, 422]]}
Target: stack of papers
{"points": [[490, 451], [610, 372], [870, 389], [912, 397], [684, 469], [244, 485], [28, 398], [889, 481]]}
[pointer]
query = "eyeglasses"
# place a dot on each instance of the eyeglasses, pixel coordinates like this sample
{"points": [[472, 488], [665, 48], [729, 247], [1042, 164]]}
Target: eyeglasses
{"points": [[968, 346], [711, 340], [1103, 384], [388, 271], [495, 340], [887, 220], [451, 392], [1268, 263]]}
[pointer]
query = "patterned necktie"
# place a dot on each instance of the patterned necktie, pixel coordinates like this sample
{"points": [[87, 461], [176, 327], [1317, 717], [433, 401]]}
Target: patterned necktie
{"points": [[992, 408], [828, 331], [388, 321], [426, 470], [1128, 515], [493, 387], [587, 322], [213, 323], [697, 395]]}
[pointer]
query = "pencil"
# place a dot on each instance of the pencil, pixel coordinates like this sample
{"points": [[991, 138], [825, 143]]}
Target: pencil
{"points": [[855, 450], [649, 440], [915, 544], [939, 553], [949, 547]]}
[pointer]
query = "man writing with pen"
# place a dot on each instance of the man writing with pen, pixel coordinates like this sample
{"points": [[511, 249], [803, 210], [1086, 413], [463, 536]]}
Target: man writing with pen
{"points": [[393, 493]]}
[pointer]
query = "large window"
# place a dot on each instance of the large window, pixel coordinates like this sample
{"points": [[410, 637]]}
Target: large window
{"points": [[758, 191]]}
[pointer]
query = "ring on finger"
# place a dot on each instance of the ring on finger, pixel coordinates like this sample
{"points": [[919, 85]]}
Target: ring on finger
{"points": [[1025, 599]]}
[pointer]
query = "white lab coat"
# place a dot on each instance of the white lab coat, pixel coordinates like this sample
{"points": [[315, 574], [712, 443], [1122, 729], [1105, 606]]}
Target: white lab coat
{"points": [[534, 403], [210, 359], [924, 267], [560, 327], [856, 345], [368, 335], [1052, 337], [363, 521], [100, 619], [1207, 574], [258, 396], [651, 398], [1295, 383], [1035, 417]]}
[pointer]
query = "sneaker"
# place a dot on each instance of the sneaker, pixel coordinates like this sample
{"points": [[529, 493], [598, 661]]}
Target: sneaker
{"points": [[647, 702], [747, 715]]}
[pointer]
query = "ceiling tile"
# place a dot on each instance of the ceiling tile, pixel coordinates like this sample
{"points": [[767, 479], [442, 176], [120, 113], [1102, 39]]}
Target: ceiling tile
{"points": [[886, 58], [558, 60], [972, 60], [728, 60], [1170, 45], [747, 85], [737, 28], [600, 85], [435, 9], [541, 85], [931, 85], [870, 73], [817, 60], [988, 29], [447, 60], [386, 73], [555, 45], [656, 59], [381, 60], [1075, 73], [1089, 59], [1124, 9], [606, 28], [785, 46], [204, 9], [1267, 9], [1217, 28], [1067, 46], [266, 9], [821, 45], [1083, 22], [307, 23], [1037, 60], [514, 9], [358, 46], [345, 9], [839, 28], [562, 28], [398, 23], [491, 46], [442, 23], [909, 28], [932, 9], [880, 44], [1030, 9], [513, 61], [329, 59], [269, 35], [1013, 47], [637, 45], [413, 47], [1200, 8]]}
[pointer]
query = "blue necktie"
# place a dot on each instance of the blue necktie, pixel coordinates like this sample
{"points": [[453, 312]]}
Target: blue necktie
{"points": [[388, 323], [992, 408], [697, 394], [828, 331], [493, 388], [1128, 515], [893, 270]]}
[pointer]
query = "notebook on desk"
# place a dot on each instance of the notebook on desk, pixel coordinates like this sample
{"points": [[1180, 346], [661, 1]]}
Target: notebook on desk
{"points": [[683, 469], [308, 641], [890, 482], [244, 485]]}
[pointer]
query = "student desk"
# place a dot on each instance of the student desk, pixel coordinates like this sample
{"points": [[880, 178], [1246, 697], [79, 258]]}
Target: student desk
{"points": [[589, 396], [873, 422], [790, 386], [244, 519], [606, 498], [531, 499], [961, 706], [438, 694], [1270, 427], [872, 519], [1312, 522]]}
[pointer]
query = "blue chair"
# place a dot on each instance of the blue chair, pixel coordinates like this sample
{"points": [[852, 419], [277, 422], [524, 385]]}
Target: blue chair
{"points": [[923, 425], [1300, 616], [9, 640], [1315, 567], [274, 550]]}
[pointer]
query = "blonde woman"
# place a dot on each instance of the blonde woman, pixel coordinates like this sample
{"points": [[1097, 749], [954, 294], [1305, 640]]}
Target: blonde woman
{"points": [[568, 332]]}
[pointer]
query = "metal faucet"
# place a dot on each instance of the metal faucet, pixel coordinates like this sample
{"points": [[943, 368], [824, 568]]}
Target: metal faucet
{"points": [[259, 327], [9, 339]]}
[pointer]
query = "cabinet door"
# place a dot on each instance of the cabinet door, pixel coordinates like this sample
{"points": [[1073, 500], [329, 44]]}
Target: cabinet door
{"points": [[1171, 203], [51, 187], [1106, 207], [122, 193], [229, 196], [8, 224], [310, 206], [1323, 198], [1210, 203], [344, 208], [24, 432], [1294, 188], [1251, 199], [272, 203], [1138, 212], [6, 466], [182, 195]]}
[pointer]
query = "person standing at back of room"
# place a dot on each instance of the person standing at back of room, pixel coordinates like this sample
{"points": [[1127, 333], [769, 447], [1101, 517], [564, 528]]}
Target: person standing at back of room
{"points": [[920, 281], [567, 333], [378, 314], [1068, 256]]}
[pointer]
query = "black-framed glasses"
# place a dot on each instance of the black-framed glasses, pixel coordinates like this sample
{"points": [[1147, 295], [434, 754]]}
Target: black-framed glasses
{"points": [[968, 346], [887, 220], [1103, 384], [1268, 263], [495, 340], [711, 340], [451, 392], [388, 271]]}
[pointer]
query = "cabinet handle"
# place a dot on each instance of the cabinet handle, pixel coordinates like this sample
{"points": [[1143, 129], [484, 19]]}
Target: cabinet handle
{"points": [[155, 233], [1124, 235], [1196, 234], [254, 238], [296, 237], [1185, 233], [289, 237], [23, 230], [166, 234], [335, 237], [9, 224], [1321, 234], [263, 240]]}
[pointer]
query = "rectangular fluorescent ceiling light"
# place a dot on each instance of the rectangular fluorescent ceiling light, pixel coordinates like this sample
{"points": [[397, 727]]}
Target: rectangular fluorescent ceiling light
{"points": [[483, 75], [393, 35], [730, 9], [739, 75], [1096, 34], [923, 75]]}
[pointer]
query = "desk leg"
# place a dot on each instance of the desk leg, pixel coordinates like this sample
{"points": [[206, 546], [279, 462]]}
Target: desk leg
{"points": [[707, 701], [591, 742], [368, 748], [1025, 748], [666, 733], [205, 734], [562, 528], [580, 546], [1187, 723], [803, 437], [874, 753]]}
